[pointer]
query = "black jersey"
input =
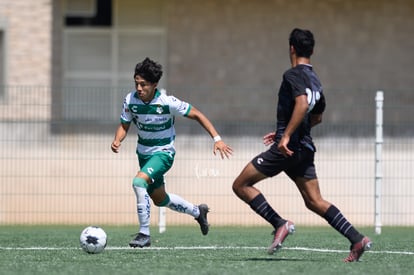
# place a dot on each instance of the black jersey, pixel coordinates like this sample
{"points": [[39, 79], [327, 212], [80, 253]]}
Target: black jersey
{"points": [[300, 80]]}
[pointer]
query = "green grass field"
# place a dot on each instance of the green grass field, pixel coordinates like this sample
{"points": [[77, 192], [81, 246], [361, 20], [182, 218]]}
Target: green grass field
{"points": [[226, 250]]}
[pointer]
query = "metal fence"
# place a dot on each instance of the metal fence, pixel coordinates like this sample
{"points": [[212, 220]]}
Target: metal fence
{"points": [[59, 171]]}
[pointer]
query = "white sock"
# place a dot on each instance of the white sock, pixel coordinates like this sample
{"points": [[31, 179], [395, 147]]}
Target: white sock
{"points": [[143, 209], [180, 205]]}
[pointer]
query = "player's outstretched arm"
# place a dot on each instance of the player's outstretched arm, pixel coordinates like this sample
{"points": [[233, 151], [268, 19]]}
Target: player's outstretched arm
{"points": [[219, 145], [120, 135]]}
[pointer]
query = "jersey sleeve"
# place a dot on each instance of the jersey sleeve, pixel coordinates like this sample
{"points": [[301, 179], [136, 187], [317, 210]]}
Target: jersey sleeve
{"points": [[297, 83], [126, 116], [178, 107]]}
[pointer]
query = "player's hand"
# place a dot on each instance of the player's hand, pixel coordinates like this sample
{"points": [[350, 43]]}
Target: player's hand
{"points": [[269, 138], [283, 148], [115, 146], [224, 149]]}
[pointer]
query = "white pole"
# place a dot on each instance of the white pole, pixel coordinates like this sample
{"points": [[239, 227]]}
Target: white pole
{"points": [[379, 99]]}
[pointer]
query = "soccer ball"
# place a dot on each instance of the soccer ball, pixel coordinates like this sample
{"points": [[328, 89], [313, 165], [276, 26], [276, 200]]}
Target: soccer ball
{"points": [[93, 239]]}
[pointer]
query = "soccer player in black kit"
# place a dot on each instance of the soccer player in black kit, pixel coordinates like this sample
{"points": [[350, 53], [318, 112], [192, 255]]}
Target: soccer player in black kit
{"points": [[300, 107]]}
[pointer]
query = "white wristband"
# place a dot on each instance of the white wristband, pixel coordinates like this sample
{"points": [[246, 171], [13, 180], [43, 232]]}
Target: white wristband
{"points": [[217, 138]]}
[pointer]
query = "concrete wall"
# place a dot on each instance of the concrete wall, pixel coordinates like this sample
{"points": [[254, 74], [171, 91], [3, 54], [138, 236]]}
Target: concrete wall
{"points": [[29, 41], [28, 49], [227, 57], [233, 53]]}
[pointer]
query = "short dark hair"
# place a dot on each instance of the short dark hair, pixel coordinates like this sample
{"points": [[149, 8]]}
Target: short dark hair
{"points": [[302, 41], [149, 70]]}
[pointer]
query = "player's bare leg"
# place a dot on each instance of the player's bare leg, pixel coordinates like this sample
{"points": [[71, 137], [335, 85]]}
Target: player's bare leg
{"points": [[309, 188], [244, 189], [243, 184], [311, 194]]}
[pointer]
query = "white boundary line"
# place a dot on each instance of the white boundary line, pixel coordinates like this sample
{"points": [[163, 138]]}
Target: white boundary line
{"points": [[209, 248]]}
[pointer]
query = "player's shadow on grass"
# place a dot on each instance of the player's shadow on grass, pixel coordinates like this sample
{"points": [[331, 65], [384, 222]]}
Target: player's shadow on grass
{"points": [[274, 259]]}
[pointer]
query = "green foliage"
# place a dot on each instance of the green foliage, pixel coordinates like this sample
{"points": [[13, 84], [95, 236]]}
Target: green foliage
{"points": [[183, 250]]}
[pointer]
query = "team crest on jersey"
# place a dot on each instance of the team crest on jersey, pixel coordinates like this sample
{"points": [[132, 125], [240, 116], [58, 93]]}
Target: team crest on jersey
{"points": [[159, 110]]}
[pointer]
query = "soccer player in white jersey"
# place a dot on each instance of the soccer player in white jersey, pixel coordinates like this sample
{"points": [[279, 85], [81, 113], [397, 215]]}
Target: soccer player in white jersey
{"points": [[153, 114]]}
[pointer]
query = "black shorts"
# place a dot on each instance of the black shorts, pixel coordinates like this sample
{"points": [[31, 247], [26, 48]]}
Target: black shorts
{"points": [[300, 164]]}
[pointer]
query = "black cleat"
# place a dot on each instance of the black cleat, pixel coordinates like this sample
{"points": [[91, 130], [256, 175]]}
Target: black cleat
{"points": [[141, 240], [202, 219]]}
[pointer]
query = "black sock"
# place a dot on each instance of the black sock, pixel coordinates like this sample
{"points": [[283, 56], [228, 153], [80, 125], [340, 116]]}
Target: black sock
{"points": [[261, 207], [335, 218]]}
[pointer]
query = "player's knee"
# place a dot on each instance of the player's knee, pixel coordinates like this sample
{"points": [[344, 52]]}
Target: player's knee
{"points": [[139, 182], [236, 187], [164, 202]]}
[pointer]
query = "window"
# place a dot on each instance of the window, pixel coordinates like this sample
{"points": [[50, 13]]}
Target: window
{"points": [[88, 13], [100, 52], [86, 8]]}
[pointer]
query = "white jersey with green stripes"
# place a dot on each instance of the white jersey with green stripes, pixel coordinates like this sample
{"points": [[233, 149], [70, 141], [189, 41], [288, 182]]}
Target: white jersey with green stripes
{"points": [[154, 121]]}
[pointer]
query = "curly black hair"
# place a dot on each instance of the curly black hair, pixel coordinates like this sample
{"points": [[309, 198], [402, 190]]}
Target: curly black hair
{"points": [[149, 70]]}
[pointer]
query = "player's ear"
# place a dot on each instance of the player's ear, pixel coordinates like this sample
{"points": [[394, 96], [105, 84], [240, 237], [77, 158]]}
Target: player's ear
{"points": [[292, 49]]}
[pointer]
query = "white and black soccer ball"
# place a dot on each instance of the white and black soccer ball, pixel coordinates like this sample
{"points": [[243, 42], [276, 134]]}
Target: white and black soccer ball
{"points": [[93, 239]]}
